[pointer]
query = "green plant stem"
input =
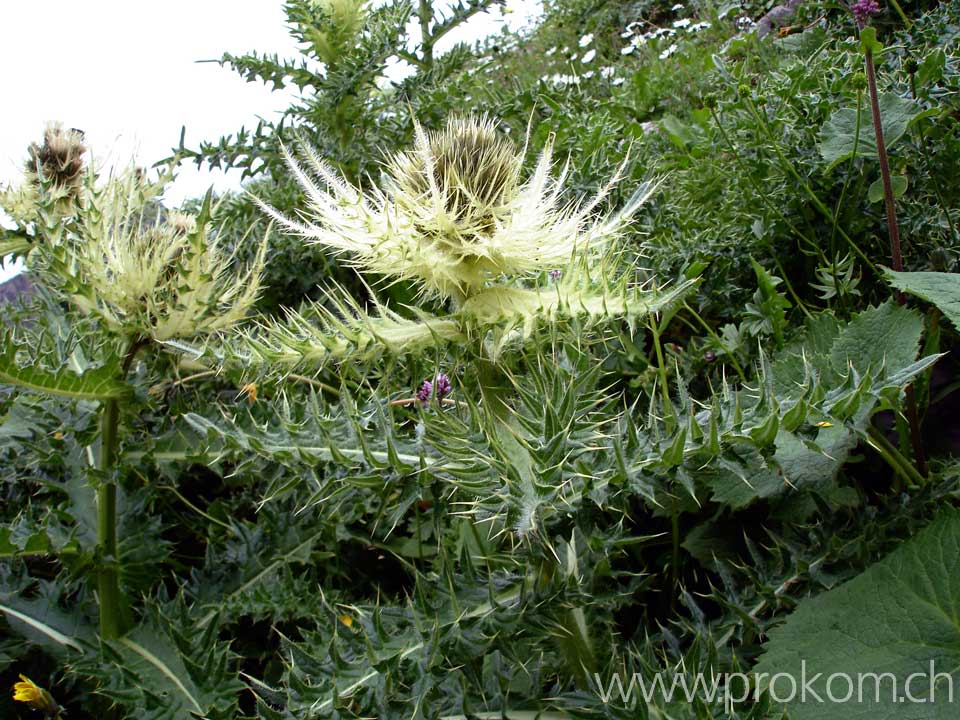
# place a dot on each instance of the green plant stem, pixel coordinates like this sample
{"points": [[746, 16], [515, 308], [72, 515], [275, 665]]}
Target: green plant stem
{"points": [[786, 281], [108, 574], [108, 582], [662, 370], [843, 194], [893, 457], [761, 193], [716, 338], [903, 16], [922, 142], [425, 16], [896, 257]]}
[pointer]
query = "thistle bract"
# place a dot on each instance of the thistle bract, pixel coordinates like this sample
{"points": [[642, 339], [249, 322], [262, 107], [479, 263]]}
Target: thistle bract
{"points": [[340, 23], [54, 171], [159, 278], [58, 160], [454, 213], [119, 256]]}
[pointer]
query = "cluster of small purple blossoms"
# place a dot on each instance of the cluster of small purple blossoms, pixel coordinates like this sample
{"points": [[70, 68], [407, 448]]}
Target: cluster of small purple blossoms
{"points": [[440, 388], [425, 391], [863, 10]]}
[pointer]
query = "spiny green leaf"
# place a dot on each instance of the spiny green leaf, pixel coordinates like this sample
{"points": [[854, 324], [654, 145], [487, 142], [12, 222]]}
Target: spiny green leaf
{"points": [[151, 655], [13, 245], [96, 384]]}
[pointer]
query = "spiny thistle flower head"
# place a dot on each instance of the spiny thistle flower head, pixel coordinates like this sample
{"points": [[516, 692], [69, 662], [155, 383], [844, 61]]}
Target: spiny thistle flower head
{"points": [[59, 160], [54, 172], [145, 276], [455, 213]]}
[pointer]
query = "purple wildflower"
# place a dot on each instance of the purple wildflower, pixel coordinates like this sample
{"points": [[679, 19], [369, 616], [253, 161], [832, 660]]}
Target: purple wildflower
{"points": [[863, 10], [443, 386], [555, 274], [425, 391]]}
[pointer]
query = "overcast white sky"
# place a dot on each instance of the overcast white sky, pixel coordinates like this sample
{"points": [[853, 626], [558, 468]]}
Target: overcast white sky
{"points": [[126, 74]]}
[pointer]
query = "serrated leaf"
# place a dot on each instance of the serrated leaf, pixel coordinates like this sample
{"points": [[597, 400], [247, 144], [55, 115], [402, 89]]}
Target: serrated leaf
{"points": [[14, 245], [96, 384], [839, 134], [887, 335], [941, 289], [898, 617]]}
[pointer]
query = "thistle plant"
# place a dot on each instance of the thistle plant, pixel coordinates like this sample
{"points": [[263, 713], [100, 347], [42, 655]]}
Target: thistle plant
{"points": [[104, 247], [456, 218], [334, 27], [152, 279]]}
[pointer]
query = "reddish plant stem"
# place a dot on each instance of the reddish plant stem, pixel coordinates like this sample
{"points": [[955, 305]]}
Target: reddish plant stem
{"points": [[896, 257]]}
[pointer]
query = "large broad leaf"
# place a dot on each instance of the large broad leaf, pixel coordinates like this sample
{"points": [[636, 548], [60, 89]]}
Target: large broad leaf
{"points": [[941, 289], [839, 135], [886, 336], [899, 618], [95, 384]]}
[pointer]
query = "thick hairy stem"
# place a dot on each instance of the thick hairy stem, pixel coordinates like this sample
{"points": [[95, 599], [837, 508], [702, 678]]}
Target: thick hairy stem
{"points": [[108, 581], [425, 15], [108, 575]]}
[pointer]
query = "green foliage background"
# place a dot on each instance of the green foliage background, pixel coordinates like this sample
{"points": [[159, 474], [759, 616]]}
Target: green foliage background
{"points": [[322, 547]]}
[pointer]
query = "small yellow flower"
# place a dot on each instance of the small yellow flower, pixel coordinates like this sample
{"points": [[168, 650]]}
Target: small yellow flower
{"points": [[347, 620], [27, 691]]}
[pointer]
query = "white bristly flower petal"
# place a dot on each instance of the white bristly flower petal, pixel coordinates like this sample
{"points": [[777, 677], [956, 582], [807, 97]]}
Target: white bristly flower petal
{"points": [[454, 213]]}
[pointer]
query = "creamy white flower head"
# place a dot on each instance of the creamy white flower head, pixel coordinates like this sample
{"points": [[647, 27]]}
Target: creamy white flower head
{"points": [[454, 213], [147, 277]]}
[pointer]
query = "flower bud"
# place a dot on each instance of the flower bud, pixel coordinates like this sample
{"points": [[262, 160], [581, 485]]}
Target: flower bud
{"points": [[58, 162]]}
